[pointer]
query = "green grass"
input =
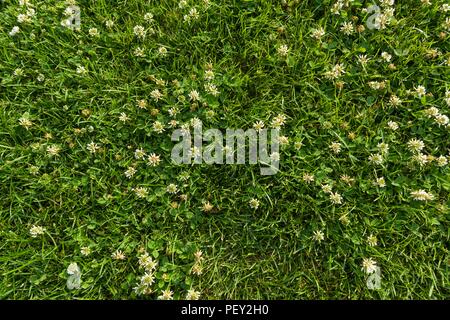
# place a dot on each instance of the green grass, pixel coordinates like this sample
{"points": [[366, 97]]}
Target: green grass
{"points": [[85, 200]]}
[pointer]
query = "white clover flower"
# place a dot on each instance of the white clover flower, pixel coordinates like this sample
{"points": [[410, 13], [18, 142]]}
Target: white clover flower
{"points": [[445, 7], [377, 85], [193, 14], [148, 17], [335, 147], [182, 4], [166, 295], [158, 127], [73, 269], [258, 126], [31, 12], [338, 70], [173, 111], [376, 158], [156, 94], [93, 32], [327, 188], [123, 117], [130, 172], [36, 231], [109, 24], [162, 51], [318, 235], [118, 255], [393, 125], [147, 279], [53, 150], [347, 179], [74, 279], [420, 91], [372, 240], [337, 7], [369, 265], [68, 11], [335, 198], [18, 72], [198, 255], [278, 121], [147, 262], [139, 31], [207, 206], [283, 50], [212, 89], [15, 30], [422, 195], [387, 2], [23, 18], [209, 75], [415, 145], [308, 178], [81, 70], [274, 156], [194, 95], [92, 147], [432, 112], [386, 56], [420, 158], [25, 122], [85, 251], [192, 295], [446, 23], [172, 188], [441, 120], [347, 28], [395, 101], [34, 170], [384, 147], [153, 159], [139, 52], [317, 33], [283, 140], [142, 104], [380, 182], [254, 203]]}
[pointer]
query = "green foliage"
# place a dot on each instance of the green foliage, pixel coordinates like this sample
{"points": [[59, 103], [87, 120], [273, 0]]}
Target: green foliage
{"points": [[84, 200]]}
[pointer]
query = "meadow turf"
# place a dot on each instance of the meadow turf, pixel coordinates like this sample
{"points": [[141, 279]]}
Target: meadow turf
{"points": [[75, 105]]}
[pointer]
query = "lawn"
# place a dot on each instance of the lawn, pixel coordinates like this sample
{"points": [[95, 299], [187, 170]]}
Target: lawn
{"points": [[92, 205]]}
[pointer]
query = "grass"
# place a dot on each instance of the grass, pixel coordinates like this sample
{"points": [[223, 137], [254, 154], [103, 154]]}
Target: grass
{"points": [[84, 199]]}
